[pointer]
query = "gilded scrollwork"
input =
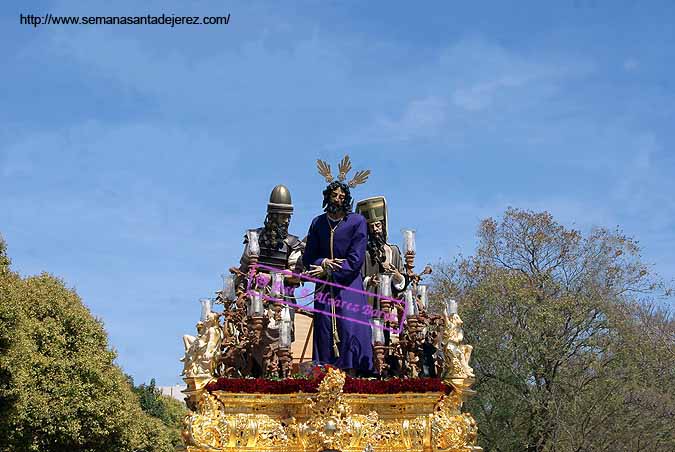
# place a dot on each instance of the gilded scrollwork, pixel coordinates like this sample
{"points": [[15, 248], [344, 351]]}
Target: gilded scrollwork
{"points": [[451, 430], [332, 420]]}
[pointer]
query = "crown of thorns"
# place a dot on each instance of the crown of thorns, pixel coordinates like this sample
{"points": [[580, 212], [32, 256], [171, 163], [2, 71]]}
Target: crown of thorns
{"points": [[360, 177]]}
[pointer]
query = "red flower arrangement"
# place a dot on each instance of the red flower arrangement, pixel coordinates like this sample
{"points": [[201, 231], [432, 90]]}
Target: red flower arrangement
{"points": [[311, 385]]}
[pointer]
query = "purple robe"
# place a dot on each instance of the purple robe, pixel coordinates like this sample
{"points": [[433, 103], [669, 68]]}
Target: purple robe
{"points": [[349, 243]]}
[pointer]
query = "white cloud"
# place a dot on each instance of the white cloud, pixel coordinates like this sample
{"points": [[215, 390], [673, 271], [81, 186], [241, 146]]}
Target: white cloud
{"points": [[471, 84], [421, 118], [630, 64]]}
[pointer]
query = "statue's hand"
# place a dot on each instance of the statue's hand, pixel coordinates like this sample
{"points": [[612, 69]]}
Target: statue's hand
{"points": [[389, 268], [316, 271], [333, 264]]}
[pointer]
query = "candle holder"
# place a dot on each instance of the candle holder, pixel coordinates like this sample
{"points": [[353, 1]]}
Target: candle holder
{"points": [[410, 347], [412, 322], [379, 358], [256, 324], [409, 263], [252, 265], [379, 349], [285, 358]]}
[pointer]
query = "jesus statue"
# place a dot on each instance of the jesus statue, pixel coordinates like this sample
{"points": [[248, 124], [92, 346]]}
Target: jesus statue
{"points": [[335, 251]]}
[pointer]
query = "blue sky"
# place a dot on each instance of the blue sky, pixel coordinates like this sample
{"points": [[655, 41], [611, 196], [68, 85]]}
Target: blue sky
{"points": [[133, 158]]}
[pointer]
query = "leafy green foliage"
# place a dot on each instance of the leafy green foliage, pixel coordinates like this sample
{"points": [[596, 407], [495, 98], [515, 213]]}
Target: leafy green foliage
{"points": [[59, 387], [569, 353], [168, 410]]}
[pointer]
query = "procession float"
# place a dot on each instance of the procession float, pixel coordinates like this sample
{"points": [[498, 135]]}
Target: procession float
{"points": [[388, 369]]}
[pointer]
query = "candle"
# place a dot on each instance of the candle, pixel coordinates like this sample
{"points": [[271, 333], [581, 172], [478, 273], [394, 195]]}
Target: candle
{"points": [[451, 307], [378, 332], [253, 245], [277, 285], [228, 287], [285, 328], [410, 304], [409, 240], [206, 308], [385, 286], [255, 307], [422, 295], [285, 334], [286, 314]]}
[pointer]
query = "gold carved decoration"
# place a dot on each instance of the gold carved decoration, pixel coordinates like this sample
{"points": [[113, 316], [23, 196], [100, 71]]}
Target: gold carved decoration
{"points": [[331, 420]]}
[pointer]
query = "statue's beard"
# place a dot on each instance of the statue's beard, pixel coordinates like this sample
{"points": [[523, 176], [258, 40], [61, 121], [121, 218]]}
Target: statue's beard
{"points": [[334, 208], [375, 248], [274, 234]]}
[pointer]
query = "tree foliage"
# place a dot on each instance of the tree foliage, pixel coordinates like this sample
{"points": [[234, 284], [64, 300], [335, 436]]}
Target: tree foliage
{"points": [[167, 409], [570, 354], [59, 387]]}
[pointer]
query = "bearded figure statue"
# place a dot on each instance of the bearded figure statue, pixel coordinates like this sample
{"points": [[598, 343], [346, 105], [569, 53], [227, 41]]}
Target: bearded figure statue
{"points": [[382, 257], [278, 248], [336, 247]]}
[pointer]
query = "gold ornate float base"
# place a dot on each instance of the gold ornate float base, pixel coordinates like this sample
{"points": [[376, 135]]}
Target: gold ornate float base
{"points": [[329, 421]]}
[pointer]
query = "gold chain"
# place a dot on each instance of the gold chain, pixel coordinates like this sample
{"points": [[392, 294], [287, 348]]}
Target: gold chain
{"points": [[336, 337]]}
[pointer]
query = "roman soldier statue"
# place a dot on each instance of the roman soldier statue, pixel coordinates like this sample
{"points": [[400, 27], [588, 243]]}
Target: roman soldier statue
{"points": [[335, 250], [381, 257], [278, 248]]}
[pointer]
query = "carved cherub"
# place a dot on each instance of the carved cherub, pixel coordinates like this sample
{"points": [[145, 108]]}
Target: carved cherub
{"points": [[456, 354], [201, 351]]}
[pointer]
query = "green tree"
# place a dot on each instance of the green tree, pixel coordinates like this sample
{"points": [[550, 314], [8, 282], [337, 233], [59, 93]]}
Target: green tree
{"points": [[167, 409], [570, 354], [59, 387]]}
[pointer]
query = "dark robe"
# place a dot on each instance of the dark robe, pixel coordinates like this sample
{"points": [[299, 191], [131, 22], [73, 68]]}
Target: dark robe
{"points": [[349, 243]]}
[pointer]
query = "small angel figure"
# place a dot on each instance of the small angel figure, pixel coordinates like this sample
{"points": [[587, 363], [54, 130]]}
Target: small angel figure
{"points": [[201, 351], [456, 354]]}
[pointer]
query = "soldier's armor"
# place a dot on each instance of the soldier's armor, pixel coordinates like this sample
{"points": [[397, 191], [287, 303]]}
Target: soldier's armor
{"points": [[277, 257]]}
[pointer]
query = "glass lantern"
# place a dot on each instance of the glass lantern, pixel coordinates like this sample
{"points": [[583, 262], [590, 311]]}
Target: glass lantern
{"points": [[422, 295], [206, 308], [410, 303], [253, 244], [408, 241], [255, 305], [229, 292], [285, 328], [384, 289], [378, 331], [277, 285]]}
